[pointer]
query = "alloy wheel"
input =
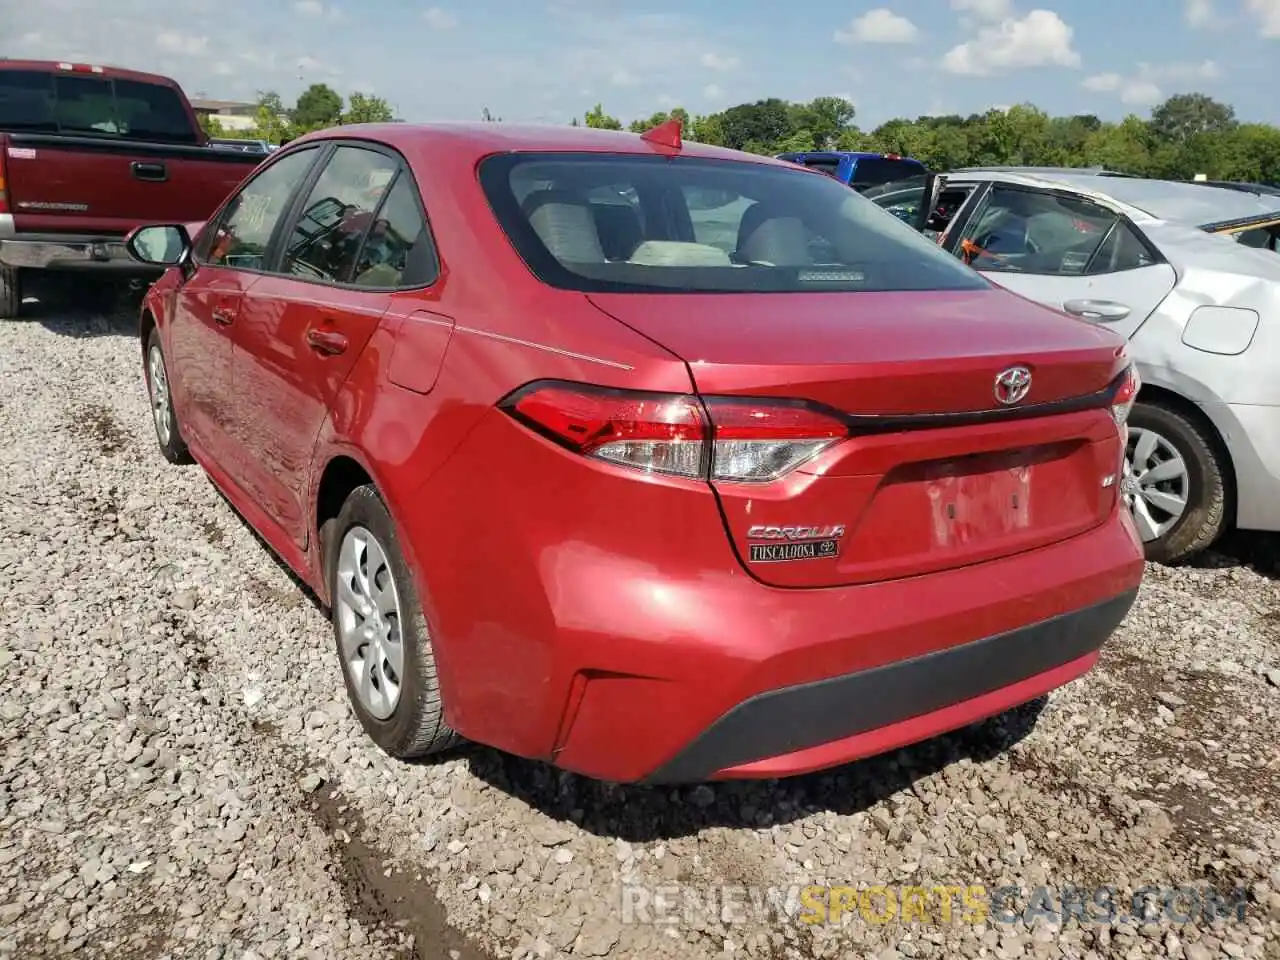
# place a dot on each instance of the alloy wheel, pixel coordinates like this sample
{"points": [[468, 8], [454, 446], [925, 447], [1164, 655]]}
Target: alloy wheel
{"points": [[1156, 485], [369, 621], [161, 405]]}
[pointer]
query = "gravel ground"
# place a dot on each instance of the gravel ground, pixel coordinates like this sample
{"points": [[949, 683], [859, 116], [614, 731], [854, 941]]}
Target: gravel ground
{"points": [[182, 777]]}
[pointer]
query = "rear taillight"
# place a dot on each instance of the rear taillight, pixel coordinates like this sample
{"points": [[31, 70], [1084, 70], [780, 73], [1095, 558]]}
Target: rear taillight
{"points": [[1123, 399], [4, 181], [720, 438]]}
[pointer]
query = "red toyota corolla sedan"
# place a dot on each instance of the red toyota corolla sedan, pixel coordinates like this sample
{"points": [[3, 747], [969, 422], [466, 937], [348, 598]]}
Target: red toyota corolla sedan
{"points": [[656, 461]]}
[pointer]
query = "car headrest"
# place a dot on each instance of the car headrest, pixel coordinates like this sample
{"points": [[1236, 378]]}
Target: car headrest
{"points": [[563, 221], [782, 241]]}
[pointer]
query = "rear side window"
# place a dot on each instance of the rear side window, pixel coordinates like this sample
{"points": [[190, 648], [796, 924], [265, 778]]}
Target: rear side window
{"points": [[651, 224], [92, 105]]}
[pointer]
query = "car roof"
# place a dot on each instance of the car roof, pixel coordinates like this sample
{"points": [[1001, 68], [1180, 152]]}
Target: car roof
{"points": [[1177, 201], [482, 138], [103, 70]]}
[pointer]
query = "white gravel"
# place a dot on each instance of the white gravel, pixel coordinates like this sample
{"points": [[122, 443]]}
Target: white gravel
{"points": [[182, 777]]}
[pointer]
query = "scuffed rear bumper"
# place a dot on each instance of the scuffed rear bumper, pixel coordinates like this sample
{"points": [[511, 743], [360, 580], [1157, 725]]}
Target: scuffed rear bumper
{"points": [[810, 726]]}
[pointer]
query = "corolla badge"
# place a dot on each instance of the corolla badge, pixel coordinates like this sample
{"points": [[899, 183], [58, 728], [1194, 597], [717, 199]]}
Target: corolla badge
{"points": [[1012, 385]]}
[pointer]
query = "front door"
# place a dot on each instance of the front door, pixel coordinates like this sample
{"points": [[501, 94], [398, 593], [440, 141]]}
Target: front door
{"points": [[358, 237], [1066, 252], [228, 261]]}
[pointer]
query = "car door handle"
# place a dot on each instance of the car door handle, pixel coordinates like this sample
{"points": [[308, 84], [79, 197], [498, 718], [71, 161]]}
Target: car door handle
{"points": [[1104, 311], [328, 342], [156, 172], [223, 316]]}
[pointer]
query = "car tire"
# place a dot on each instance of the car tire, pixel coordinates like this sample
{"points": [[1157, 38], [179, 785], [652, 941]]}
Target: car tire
{"points": [[163, 415], [10, 293], [1185, 453], [390, 671]]}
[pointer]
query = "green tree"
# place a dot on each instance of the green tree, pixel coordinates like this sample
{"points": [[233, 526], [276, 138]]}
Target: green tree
{"points": [[1186, 135], [271, 120], [362, 108], [597, 118], [317, 108], [1185, 115], [760, 125]]}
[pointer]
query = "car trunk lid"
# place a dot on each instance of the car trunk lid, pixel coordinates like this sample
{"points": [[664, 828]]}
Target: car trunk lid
{"points": [[936, 472]]}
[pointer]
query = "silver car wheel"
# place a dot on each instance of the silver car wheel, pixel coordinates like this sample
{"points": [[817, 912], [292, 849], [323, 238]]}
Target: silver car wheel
{"points": [[161, 406], [368, 609], [1156, 484]]}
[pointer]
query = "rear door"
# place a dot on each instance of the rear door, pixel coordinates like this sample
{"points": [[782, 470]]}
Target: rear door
{"points": [[1065, 251], [91, 153], [356, 237]]}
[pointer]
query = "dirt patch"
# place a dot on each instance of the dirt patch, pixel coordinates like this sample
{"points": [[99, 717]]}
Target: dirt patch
{"points": [[400, 900], [212, 532], [97, 425]]}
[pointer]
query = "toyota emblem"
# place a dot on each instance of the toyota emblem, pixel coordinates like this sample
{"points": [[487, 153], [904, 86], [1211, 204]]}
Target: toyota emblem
{"points": [[1012, 385]]}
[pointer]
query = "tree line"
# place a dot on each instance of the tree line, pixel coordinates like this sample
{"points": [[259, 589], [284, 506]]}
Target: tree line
{"points": [[1188, 134], [317, 108]]}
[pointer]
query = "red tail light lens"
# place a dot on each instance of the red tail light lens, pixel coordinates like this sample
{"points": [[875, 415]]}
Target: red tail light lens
{"points": [[729, 439], [1122, 402], [4, 170]]}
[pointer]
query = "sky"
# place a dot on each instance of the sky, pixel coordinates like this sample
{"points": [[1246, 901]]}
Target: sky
{"points": [[549, 60]]}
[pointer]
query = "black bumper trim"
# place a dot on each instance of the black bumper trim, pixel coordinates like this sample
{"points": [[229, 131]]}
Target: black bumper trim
{"points": [[789, 719]]}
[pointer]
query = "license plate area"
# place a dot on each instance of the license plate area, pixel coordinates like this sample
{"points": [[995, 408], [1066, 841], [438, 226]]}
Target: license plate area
{"points": [[934, 515]]}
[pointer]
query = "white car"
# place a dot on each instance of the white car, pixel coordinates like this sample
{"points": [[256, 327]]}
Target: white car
{"points": [[1190, 274]]}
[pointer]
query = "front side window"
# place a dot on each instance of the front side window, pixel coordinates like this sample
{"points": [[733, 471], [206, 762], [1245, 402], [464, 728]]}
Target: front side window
{"points": [[697, 225], [326, 240], [1029, 231], [244, 230]]}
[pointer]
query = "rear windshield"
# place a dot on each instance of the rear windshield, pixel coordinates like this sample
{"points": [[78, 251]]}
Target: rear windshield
{"points": [[599, 223], [91, 105], [871, 171]]}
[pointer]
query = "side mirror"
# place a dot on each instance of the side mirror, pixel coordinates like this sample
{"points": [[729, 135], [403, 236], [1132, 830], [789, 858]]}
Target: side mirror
{"points": [[160, 245]]}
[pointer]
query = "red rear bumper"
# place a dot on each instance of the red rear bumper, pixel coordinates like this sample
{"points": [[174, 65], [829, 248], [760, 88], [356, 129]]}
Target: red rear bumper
{"points": [[583, 632]]}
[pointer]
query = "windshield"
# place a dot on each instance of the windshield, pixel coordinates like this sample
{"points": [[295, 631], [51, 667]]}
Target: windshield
{"points": [[873, 171], [92, 105], [598, 223]]}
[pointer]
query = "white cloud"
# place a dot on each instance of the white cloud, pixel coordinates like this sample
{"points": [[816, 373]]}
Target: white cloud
{"points": [[172, 41], [984, 9], [309, 8], [1131, 90], [439, 18], [1039, 39], [1204, 70], [622, 77], [881, 25], [712, 92], [1143, 88], [713, 61], [1200, 13], [1267, 13]]}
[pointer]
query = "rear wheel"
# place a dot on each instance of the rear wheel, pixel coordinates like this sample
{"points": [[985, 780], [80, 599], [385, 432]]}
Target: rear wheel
{"points": [[10, 293], [383, 643], [1173, 483]]}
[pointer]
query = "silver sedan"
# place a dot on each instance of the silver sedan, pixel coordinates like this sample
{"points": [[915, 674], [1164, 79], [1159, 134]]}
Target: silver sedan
{"points": [[1191, 275]]}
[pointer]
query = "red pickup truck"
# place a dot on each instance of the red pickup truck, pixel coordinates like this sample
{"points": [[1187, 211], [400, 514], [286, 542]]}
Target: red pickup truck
{"points": [[87, 153]]}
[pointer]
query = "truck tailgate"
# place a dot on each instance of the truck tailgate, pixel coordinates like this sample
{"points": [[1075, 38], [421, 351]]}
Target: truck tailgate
{"points": [[92, 185]]}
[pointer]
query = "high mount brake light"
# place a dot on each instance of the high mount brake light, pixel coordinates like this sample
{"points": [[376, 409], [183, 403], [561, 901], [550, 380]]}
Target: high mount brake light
{"points": [[721, 438]]}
